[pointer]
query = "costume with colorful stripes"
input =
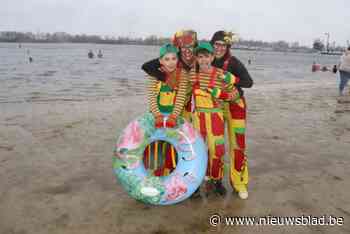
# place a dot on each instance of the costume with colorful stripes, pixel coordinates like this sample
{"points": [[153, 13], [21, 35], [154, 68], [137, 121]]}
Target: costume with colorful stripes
{"points": [[234, 111], [165, 97], [235, 118], [181, 39], [207, 91]]}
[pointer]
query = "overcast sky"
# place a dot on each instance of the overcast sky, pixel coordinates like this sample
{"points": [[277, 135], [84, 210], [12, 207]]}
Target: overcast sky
{"points": [[268, 20]]}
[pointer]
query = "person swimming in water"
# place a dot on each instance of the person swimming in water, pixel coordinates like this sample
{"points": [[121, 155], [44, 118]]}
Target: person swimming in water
{"points": [[30, 58], [100, 55], [90, 54]]}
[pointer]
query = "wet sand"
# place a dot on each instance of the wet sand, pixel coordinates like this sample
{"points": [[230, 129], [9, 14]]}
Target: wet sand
{"points": [[56, 170]]}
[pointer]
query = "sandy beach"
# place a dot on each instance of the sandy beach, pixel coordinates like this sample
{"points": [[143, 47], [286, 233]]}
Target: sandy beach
{"points": [[56, 169]]}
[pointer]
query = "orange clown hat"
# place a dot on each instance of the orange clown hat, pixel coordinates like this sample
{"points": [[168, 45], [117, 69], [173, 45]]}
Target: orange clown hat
{"points": [[185, 38]]}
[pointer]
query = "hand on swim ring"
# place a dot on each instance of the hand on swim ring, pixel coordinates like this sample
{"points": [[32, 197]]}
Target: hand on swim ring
{"points": [[158, 121], [171, 121]]}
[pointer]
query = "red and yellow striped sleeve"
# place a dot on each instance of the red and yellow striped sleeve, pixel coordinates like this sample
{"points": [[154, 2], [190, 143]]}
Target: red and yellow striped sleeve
{"points": [[152, 94], [181, 93]]}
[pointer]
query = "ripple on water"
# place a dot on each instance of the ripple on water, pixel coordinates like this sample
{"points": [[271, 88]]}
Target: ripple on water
{"points": [[35, 93], [62, 71], [64, 90], [47, 73], [77, 73]]}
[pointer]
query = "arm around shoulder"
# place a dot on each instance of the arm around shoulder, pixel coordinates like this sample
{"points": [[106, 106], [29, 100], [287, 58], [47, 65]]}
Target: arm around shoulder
{"points": [[152, 68], [238, 69]]}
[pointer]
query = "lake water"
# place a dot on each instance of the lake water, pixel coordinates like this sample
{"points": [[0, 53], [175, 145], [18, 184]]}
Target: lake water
{"points": [[63, 71]]}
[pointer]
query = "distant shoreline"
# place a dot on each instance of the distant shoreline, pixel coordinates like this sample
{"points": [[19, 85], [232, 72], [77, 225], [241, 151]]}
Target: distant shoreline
{"points": [[266, 49], [154, 40]]}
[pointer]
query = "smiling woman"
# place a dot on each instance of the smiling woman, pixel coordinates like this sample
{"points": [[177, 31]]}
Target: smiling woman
{"points": [[234, 110]]}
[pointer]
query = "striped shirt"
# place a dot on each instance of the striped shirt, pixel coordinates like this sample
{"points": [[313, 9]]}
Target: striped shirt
{"points": [[180, 89], [204, 80]]}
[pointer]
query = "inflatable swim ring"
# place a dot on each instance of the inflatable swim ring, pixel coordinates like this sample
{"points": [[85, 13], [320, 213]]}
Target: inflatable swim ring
{"points": [[178, 185]]}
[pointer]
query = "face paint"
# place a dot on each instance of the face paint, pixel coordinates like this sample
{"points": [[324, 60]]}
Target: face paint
{"points": [[187, 54]]}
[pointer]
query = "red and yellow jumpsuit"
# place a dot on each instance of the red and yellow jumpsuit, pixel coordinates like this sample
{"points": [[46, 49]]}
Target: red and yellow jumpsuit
{"points": [[235, 117], [165, 98], [208, 116]]}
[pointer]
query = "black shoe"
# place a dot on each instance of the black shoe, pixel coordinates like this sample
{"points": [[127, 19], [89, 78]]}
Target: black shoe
{"points": [[208, 187], [196, 194], [219, 188]]}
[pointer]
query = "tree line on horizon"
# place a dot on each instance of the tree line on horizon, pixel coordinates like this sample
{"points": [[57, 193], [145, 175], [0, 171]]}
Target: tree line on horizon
{"points": [[318, 45], [62, 37]]}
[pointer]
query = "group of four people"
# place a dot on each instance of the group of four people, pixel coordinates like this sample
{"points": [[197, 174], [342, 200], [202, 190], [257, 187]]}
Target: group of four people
{"points": [[202, 82]]}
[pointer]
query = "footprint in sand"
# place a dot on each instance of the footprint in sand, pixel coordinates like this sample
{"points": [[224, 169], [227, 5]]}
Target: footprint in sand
{"points": [[343, 105], [58, 189], [7, 147], [341, 111]]}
